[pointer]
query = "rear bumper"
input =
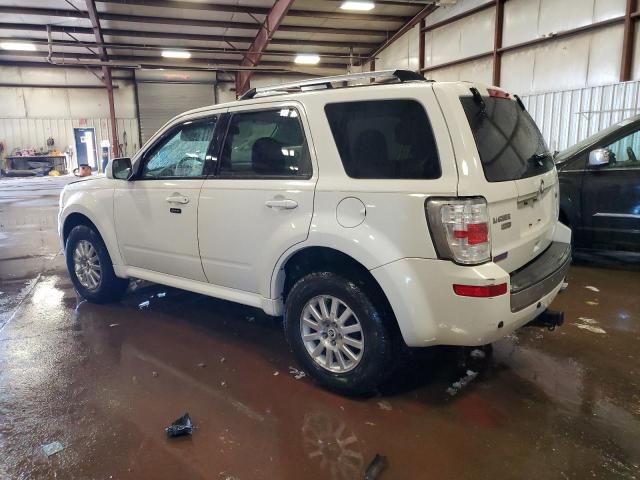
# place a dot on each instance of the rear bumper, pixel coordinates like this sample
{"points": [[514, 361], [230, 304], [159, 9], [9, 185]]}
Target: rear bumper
{"points": [[428, 311], [541, 276]]}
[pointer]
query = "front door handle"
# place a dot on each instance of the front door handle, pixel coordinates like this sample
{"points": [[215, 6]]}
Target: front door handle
{"points": [[177, 198], [281, 203]]}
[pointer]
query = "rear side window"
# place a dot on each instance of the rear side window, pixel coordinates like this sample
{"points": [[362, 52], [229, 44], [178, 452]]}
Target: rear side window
{"points": [[266, 143], [384, 139], [509, 143]]}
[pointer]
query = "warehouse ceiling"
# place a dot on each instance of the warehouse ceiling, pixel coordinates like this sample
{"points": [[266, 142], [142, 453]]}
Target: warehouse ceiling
{"points": [[217, 34]]}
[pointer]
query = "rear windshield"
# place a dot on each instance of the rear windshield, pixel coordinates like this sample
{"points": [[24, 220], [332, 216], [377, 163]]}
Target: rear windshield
{"points": [[384, 139], [510, 145]]}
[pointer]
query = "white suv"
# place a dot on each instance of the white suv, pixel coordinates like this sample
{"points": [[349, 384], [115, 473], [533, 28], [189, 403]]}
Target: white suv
{"points": [[366, 215]]}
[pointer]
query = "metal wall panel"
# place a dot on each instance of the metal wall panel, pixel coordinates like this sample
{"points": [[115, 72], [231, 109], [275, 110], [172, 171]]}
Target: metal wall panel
{"points": [[34, 132], [468, 36], [476, 71], [403, 53], [568, 116]]}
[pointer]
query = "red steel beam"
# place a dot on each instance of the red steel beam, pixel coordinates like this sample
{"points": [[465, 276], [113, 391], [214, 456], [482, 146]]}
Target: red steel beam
{"points": [[497, 42], [106, 73], [628, 41], [421, 45], [265, 33]]}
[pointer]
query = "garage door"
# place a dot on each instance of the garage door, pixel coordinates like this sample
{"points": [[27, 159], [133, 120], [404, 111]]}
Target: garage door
{"points": [[159, 102]]}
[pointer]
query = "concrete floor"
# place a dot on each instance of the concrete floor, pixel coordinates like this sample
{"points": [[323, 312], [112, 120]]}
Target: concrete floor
{"points": [[106, 380]]}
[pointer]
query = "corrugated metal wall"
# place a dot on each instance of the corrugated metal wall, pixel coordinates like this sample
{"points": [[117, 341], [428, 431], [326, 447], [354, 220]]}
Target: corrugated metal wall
{"points": [[33, 132], [566, 117]]}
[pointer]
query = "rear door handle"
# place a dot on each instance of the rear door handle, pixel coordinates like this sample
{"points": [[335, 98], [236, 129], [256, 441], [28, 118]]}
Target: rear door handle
{"points": [[177, 198], [281, 203]]}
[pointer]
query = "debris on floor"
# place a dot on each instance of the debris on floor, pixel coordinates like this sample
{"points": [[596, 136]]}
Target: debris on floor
{"points": [[111, 325], [592, 303], [592, 288], [52, 448], [202, 365], [182, 426], [587, 320], [477, 354], [162, 294], [590, 328], [276, 373], [143, 305], [297, 374], [384, 405], [463, 382], [375, 468], [154, 373], [222, 359], [564, 286]]}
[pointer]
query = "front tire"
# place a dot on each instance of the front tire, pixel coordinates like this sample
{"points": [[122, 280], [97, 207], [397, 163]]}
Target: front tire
{"points": [[90, 267], [338, 333]]}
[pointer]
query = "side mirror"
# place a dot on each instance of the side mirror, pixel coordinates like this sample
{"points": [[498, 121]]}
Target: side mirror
{"points": [[599, 157], [121, 168]]}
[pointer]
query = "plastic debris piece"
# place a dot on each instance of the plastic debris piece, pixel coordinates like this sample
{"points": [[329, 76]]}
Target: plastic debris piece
{"points": [[276, 373], [223, 384], [592, 288], [114, 325], [590, 328], [587, 320], [154, 373], [461, 383], [182, 426], [52, 448], [202, 365], [564, 286], [297, 374], [477, 353], [144, 304], [592, 303], [222, 360], [162, 294], [251, 319], [384, 405], [375, 468]]}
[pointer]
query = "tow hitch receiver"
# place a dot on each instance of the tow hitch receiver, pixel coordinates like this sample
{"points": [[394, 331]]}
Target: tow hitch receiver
{"points": [[548, 319]]}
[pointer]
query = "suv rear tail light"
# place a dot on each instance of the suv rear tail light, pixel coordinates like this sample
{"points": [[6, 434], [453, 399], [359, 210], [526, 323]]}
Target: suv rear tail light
{"points": [[460, 229]]}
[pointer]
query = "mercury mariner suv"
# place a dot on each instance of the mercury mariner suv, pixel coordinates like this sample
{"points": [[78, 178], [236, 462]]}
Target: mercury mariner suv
{"points": [[367, 214]]}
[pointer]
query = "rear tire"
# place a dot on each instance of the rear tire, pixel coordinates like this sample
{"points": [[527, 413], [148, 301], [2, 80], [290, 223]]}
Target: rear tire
{"points": [[345, 345], [90, 267]]}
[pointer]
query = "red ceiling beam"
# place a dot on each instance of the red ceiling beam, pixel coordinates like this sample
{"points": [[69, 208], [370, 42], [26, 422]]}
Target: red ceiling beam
{"points": [[106, 72], [265, 33], [497, 42], [627, 41]]}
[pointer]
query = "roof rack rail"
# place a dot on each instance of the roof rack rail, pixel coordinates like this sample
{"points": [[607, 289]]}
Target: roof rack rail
{"points": [[400, 75]]}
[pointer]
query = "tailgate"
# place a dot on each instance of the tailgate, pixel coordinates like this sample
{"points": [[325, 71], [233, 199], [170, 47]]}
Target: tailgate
{"points": [[502, 156]]}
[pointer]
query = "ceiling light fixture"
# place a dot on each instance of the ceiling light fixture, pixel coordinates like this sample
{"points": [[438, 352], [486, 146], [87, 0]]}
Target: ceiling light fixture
{"points": [[176, 54], [357, 6], [21, 46], [307, 59]]}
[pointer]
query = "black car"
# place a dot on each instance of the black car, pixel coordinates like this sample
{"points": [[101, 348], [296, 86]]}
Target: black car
{"points": [[600, 188]]}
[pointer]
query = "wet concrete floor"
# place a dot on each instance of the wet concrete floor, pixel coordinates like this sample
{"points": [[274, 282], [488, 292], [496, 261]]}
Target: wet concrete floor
{"points": [[106, 379]]}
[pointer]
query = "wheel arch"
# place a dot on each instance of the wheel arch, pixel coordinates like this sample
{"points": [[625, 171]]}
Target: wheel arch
{"points": [[76, 218], [321, 258]]}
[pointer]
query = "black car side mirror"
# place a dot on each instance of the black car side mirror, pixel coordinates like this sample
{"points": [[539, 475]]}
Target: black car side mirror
{"points": [[121, 168]]}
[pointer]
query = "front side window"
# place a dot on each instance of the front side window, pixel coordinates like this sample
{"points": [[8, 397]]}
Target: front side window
{"points": [[182, 154], [625, 152], [509, 143], [384, 139], [266, 143]]}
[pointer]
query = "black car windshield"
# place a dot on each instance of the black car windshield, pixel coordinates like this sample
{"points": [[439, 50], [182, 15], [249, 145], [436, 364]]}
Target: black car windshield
{"points": [[593, 139], [509, 143]]}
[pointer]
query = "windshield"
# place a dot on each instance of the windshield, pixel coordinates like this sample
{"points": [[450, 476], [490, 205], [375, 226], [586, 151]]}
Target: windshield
{"points": [[509, 143], [571, 151]]}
